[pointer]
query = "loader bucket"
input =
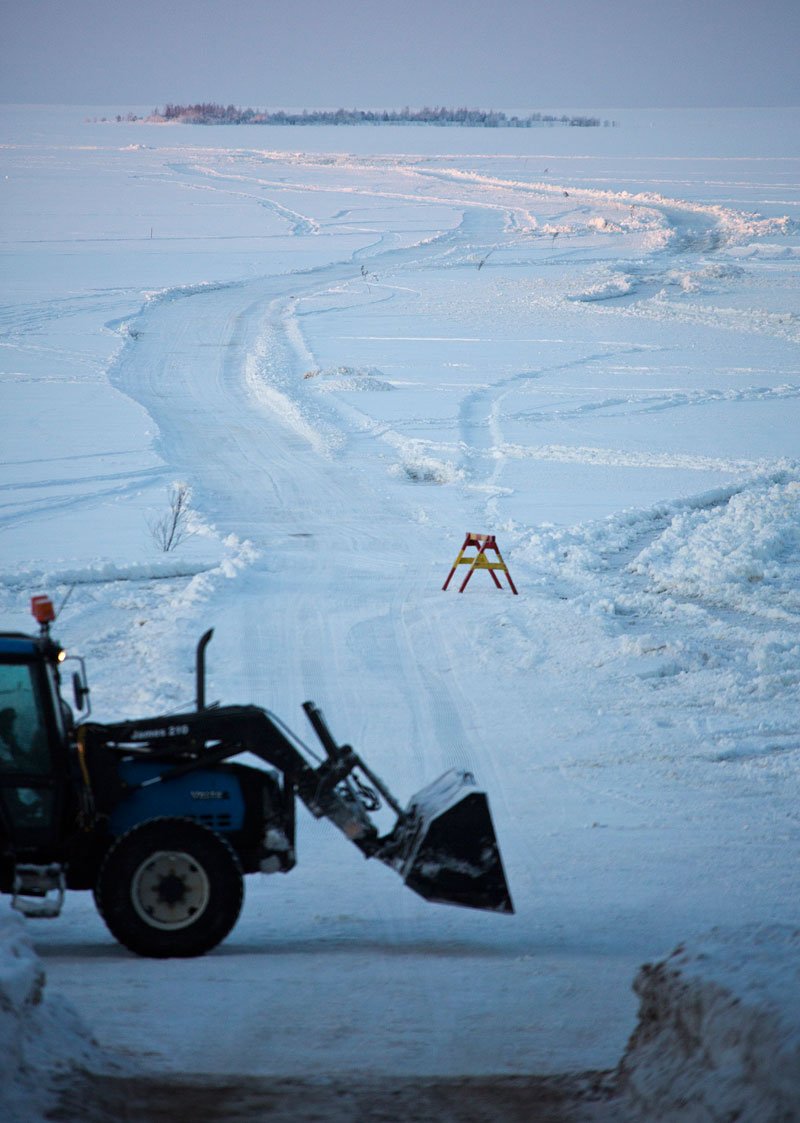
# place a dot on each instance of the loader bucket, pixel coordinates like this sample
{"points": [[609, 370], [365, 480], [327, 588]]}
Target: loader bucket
{"points": [[447, 848]]}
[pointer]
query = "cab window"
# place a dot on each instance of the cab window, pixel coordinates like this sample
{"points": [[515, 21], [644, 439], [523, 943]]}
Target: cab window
{"points": [[23, 738]]}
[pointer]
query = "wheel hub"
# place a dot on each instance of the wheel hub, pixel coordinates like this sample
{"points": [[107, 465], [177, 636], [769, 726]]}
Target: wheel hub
{"points": [[170, 890]]}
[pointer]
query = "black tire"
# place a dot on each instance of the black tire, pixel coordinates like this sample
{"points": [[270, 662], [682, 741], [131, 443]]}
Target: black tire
{"points": [[170, 887]]}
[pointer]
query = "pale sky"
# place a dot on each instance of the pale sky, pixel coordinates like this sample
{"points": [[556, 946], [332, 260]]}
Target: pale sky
{"points": [[390, 53]]}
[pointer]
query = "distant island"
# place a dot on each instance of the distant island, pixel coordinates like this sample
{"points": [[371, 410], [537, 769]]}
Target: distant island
{"points": [[209, 113]]}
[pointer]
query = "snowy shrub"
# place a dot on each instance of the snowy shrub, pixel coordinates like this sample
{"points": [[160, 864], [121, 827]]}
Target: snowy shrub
{"points": [[174, 527]]}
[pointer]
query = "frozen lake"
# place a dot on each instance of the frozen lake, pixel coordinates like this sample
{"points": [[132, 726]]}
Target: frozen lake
{"points": [[355, 345]]}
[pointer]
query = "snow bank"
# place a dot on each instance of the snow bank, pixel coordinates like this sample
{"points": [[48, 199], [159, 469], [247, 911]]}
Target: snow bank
{"points": [[418, 468], [272, 390], [733, 554], [718, 1036], [732, 546], [730, 225], [719, 569], [101, 571], [40, 1037], [177, 292], [348, 378], [610, 289]]}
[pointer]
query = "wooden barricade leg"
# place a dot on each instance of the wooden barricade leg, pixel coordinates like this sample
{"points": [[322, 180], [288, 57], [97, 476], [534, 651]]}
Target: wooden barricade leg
{"points": [[458, 561], [505, 570]]}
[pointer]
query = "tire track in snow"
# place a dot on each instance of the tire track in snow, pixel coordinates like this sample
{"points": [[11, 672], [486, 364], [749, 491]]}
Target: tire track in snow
{"points": [[299, 224], [32, 509], [481, 419], [751, 321], [635, 403], [258, 354], [262, 473]]}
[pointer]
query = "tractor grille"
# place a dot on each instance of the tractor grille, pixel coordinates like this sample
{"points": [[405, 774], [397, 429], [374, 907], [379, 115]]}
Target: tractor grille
{"points": [[223, 821]]}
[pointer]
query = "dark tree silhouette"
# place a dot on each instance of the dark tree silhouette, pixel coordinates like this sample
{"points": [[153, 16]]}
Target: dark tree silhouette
{"points": [[209, 113]]}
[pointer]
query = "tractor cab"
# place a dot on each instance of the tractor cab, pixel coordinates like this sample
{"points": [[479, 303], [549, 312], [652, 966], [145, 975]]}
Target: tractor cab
{"points": [[35, 767]]}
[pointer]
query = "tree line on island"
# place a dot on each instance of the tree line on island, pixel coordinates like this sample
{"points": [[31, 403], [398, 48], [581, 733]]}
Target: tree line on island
{"points": [[209, 113]]}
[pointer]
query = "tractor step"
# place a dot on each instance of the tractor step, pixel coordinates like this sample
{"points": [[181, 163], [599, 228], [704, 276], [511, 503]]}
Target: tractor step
{"points": [[39, 890]]}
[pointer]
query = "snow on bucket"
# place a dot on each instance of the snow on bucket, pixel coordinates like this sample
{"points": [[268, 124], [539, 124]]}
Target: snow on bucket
{"points": [[447, 848]]}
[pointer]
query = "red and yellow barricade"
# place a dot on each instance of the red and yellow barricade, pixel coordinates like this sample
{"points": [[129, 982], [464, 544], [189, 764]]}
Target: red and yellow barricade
{"points": [[483, 544]]}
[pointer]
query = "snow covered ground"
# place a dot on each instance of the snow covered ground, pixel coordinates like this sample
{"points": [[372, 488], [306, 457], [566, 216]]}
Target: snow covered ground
{"points": [[355, 345]]}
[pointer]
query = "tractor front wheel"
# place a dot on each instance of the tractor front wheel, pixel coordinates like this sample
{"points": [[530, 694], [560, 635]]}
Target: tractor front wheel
{"points": [[170, 887]]}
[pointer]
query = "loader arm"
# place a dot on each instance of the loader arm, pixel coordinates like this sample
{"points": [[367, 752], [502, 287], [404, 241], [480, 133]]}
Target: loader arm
{"points": [[184, 743], [443, 844]]}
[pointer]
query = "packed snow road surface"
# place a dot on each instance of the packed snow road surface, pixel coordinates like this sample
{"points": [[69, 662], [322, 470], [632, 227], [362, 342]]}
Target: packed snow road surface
{"points": [[586, 345]]}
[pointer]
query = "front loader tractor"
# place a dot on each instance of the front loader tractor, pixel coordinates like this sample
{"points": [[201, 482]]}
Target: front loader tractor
{"points": [[159, 820]]}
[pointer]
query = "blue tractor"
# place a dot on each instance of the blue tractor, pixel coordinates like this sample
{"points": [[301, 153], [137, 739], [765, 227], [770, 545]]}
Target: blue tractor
{"points": [[159, 820]]}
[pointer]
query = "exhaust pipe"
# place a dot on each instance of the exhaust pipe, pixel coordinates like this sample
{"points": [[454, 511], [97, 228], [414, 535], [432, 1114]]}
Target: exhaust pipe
{"points": [[200, 669]]}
